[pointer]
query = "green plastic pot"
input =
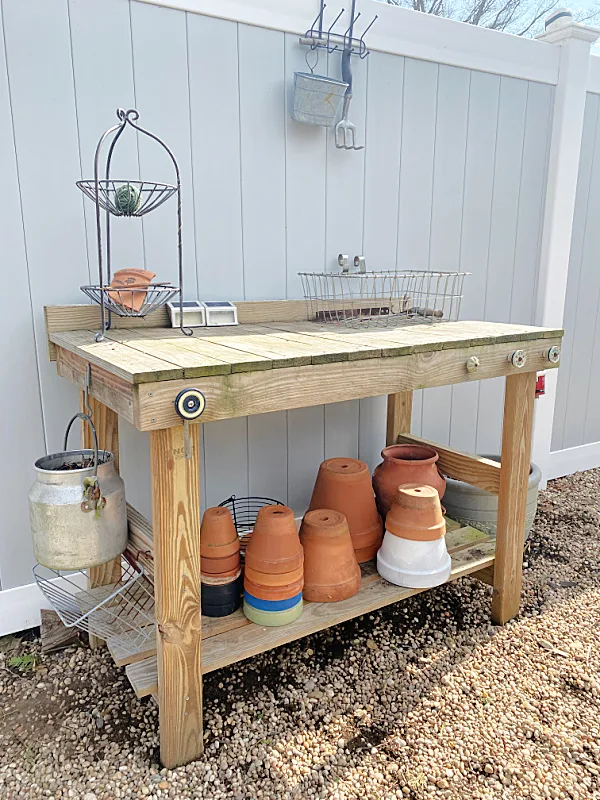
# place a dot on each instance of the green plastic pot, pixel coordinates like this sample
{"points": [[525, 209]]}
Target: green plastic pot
{"points": [[272, 619]]}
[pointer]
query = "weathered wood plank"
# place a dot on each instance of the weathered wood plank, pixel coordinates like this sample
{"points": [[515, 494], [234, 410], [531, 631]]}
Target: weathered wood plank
{"points": [[123, 652], [399, 415], [476, 470], [117, 358], [512, 497], [242, 643], [176, 529], [277, 390], [109, 389]]}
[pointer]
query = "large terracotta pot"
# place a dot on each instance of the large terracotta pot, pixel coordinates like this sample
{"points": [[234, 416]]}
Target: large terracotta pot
{"points": [[416, 514], [344, 485], [274, 545], [331, 572], [405, 463], [218, 536]]}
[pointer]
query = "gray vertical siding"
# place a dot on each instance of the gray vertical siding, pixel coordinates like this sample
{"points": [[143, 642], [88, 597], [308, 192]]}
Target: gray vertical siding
{"points": [[576, 416], [452, 177]]}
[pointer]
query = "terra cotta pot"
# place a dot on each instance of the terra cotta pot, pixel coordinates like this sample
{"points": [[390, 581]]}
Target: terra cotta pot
{"points": [[274, 545], [405, 463], [218, 536], [344, 485], [416, 514], [273, 592], [273, 578], [331, 572], [218, 566], [127, 280]]}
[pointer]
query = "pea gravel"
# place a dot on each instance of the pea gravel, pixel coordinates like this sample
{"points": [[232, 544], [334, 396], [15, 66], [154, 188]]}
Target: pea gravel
{"points": [[425, 699]]}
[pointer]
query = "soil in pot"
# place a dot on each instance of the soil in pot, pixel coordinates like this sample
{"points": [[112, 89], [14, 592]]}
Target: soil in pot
{"points": [[344, 485], [331, 571], [402, 464]]}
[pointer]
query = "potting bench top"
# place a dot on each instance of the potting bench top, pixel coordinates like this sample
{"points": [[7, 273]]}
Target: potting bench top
{"points": [[274, 365]]}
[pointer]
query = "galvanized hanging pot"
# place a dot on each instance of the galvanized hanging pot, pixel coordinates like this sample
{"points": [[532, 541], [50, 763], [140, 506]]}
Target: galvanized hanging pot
{"points": [[77, 507], [317, 98]]}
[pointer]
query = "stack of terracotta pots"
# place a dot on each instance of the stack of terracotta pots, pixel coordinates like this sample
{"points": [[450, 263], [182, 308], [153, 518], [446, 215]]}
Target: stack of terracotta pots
{"points": [[344, 485], [413, 552], [221, 586], [331, 572], [274, 570]]}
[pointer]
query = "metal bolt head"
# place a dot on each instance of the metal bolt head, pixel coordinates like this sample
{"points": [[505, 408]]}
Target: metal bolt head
{"points": [[472, 363], [553, 355], [518, 359]]}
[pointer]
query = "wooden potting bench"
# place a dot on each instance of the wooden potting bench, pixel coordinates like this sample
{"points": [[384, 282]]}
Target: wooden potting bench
{"points": [[275, 361]]}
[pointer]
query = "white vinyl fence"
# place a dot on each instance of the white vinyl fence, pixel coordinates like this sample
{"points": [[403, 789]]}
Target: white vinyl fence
{"points": [[471, 160]]}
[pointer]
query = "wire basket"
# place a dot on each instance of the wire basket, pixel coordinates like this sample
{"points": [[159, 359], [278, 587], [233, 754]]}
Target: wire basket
{"points": [[127, 198], [244, 511], [394, 297], [137, 301], [123, 609]]}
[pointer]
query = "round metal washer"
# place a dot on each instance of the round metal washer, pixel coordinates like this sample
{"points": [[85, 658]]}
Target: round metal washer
{"points": [[553, 355], [518, 358], [190, 404]]}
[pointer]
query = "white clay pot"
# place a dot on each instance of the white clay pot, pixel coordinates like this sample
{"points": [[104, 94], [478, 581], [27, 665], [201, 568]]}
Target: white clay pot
{"points": [[414, 564]]}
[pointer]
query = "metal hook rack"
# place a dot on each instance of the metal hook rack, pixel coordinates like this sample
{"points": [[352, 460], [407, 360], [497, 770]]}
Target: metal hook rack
{"points": [[316, 36]]}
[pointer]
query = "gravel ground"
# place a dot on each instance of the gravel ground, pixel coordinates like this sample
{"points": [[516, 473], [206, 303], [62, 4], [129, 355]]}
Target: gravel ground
{"points": [[425, 699]]}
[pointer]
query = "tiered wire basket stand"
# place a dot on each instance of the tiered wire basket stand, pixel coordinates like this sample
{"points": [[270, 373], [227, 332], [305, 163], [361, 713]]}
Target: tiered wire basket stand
{"points": [[129, 198], [387, 298]]}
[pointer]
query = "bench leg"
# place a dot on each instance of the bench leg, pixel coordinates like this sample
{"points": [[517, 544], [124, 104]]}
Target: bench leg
{"points": [[512, 497], [399, 415], [176, 529]]}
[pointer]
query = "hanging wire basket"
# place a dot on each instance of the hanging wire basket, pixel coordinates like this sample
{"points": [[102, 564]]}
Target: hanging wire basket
{"points": [[244, 511], [139, 301], [122, 609], [127, 198], [394, 297]]}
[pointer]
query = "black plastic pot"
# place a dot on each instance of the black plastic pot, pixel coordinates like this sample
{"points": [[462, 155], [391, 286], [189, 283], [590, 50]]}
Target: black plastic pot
{"points": [[220, 601]]}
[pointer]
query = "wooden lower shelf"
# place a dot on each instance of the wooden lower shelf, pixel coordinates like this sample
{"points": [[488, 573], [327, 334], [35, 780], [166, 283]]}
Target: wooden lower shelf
{"points": [[232, 639]]}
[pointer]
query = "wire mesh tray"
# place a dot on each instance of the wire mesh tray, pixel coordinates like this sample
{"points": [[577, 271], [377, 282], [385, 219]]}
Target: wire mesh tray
{"points": [[244, 511], [138, 301], [127, 198], [394, 297], [122, 608]]}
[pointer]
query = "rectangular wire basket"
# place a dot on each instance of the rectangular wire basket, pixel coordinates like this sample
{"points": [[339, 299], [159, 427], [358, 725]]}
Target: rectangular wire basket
{"points": [[122, 609], [394, 297]]}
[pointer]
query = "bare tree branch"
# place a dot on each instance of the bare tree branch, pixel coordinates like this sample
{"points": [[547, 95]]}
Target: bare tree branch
{"points": [[522, 17]]}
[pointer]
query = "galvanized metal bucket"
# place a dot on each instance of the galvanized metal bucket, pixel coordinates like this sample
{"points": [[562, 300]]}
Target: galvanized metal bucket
{"points": [[317, 99], [78, 516]]}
